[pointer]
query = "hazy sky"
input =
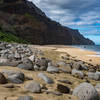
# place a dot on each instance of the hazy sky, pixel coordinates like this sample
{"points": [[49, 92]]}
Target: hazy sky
{"points": [[78, 14]]}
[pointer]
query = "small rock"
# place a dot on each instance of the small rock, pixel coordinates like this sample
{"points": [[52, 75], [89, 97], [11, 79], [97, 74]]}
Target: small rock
{"points": [[97, 87], [61, 63], [2, 79], [33, 87], [28, 78], [86, 91], [9, 86], [25, 67], [52, 69], [92, 70], [36, 67], [27, 64], [25, 98], [63, 89], [66, 69], [43, 68], [79, 66], [94, 76], [3, 60], [32, 58], [7, 62], [17, 55], [65, 81], [77, 73], [42, 63], [47, 79], [54, 93]]}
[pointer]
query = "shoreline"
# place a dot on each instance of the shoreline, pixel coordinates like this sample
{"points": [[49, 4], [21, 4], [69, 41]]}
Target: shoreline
{"points": [[77, 53], [97, 54]]}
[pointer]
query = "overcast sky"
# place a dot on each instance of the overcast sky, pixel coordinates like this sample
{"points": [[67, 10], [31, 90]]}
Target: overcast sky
{"points": [[78, 14]]}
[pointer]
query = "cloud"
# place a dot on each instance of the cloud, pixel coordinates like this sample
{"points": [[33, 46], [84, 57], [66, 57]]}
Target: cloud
{"points": [[81, 14]]}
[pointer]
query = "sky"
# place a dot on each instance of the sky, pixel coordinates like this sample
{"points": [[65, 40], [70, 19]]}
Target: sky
{"points": [[83, 15]]}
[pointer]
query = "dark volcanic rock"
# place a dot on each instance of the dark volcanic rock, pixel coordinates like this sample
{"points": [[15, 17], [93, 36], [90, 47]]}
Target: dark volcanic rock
{"points": [[25, 20], [63, 89], [3, 80]]}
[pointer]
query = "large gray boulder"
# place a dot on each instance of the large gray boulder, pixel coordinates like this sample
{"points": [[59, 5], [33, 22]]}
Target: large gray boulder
{"points": [[8, 62], [27, 65], [9, 72], [66, 69], [47, 79], [86, 91], [42, 63], [79, 66], [16, 78], [52, 69], [25, 98], [33, 87]]}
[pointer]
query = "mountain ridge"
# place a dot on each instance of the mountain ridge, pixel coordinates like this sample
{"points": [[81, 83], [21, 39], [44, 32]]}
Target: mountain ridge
{"points": [[23, 19]]}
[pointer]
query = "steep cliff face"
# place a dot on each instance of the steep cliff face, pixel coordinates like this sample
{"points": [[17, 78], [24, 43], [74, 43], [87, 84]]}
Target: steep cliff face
{"points": [[23, 19]]}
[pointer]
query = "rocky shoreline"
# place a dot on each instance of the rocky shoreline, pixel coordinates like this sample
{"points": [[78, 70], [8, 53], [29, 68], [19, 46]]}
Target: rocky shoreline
{"points": [[31, 73]]}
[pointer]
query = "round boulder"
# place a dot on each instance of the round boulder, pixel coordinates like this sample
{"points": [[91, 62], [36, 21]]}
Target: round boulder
{"points": [[86, 91], [52, 69], [16, 78], [27, 64], [33, 87], [47, 79], [63, 89]]}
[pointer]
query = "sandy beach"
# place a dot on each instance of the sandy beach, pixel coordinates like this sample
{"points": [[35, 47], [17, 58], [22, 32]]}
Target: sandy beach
{"points": [[54, 53], [77, 53]]}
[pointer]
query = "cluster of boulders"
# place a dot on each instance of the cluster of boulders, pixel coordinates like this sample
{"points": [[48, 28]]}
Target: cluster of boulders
{"points": [[21, 56]]}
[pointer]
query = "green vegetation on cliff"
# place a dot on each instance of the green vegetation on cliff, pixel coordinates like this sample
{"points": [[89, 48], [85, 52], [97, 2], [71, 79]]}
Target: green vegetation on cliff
{"points": [[8, 37]]}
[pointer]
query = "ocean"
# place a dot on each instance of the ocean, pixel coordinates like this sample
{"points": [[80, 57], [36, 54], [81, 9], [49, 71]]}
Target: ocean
{"points": [[95, 48]]}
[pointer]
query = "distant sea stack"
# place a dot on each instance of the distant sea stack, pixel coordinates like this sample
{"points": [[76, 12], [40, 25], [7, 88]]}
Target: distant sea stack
{"points": [[23, 19]]}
